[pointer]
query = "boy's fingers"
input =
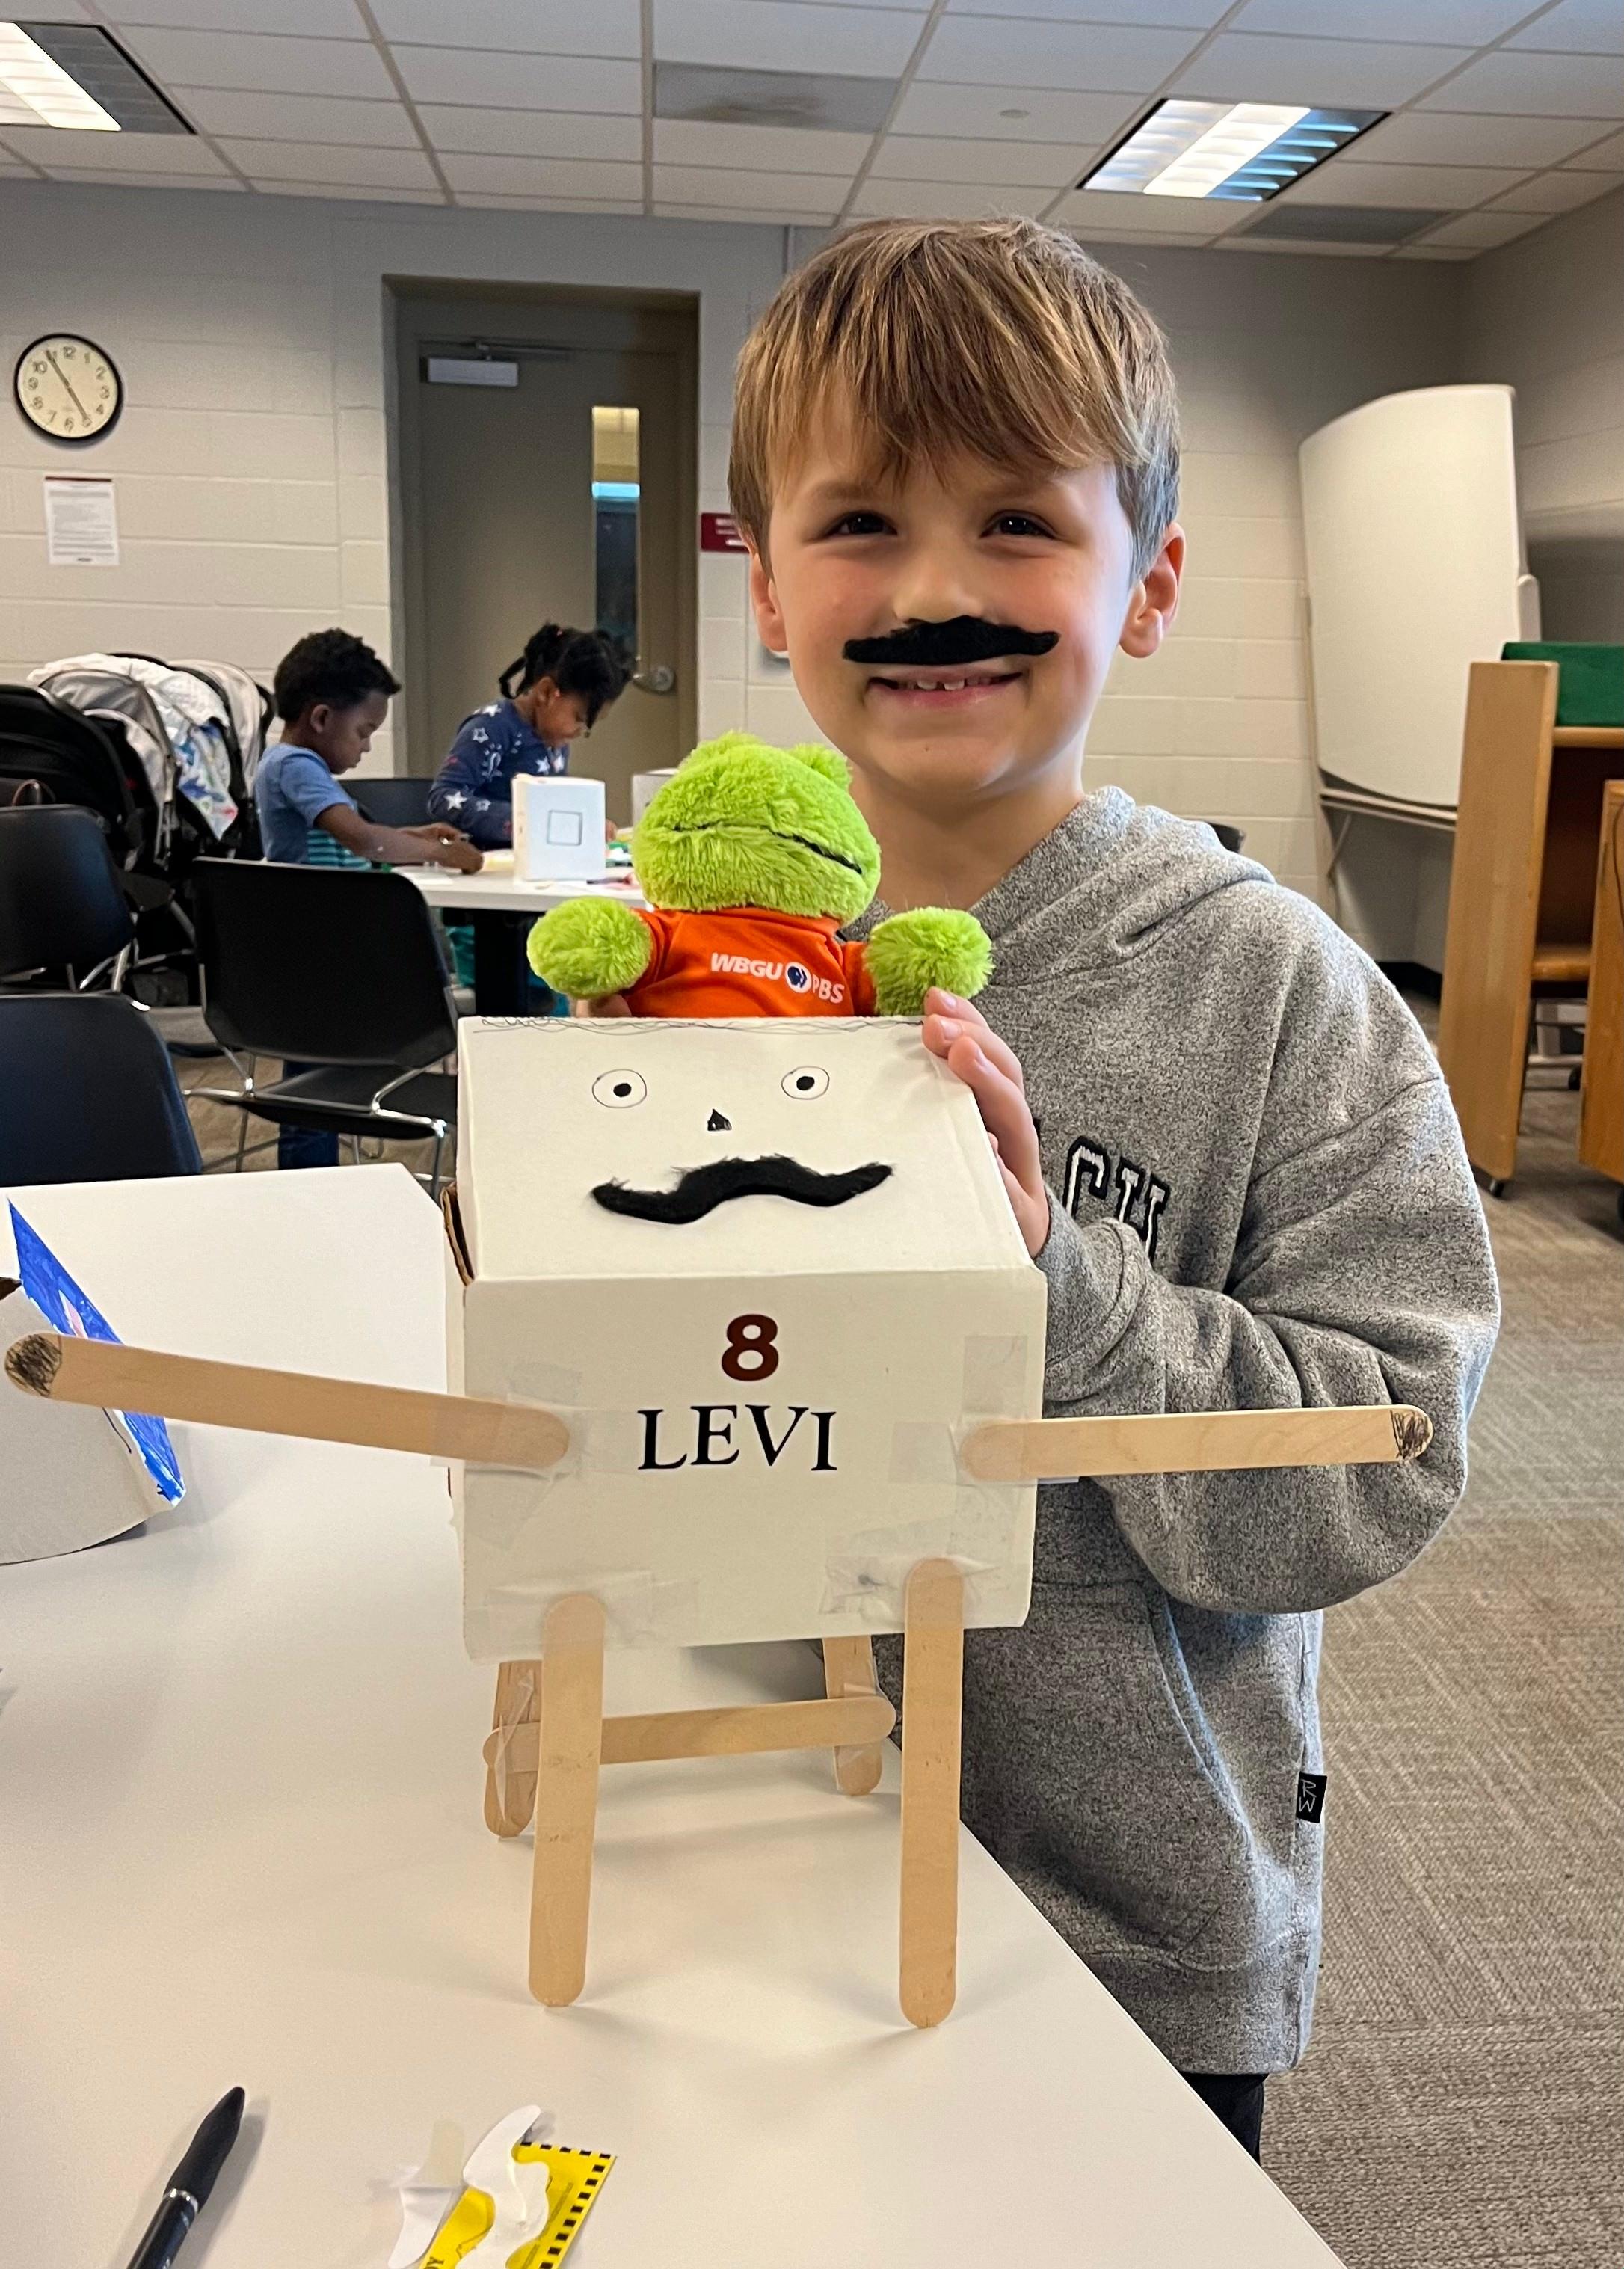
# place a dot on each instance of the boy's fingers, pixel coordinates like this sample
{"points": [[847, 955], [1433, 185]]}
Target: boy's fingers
{"points": [[611, 1004], [949, 1017], [1002, 1107]]}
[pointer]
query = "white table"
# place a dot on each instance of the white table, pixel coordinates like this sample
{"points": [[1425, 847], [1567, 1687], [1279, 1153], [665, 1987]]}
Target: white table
{"points": [[489, 902], [242, 1843]]}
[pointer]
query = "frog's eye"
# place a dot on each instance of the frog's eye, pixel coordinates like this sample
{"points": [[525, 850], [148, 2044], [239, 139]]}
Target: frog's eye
{"points": [[619, 1090], [806, 1084]]}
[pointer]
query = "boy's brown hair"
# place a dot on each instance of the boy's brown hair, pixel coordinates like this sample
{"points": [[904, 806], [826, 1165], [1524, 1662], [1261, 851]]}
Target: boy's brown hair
{"points": [[997, 337]]}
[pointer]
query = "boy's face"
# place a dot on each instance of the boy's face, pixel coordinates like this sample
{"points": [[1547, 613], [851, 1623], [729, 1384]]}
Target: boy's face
{"points": [[850, 559], [341, 737]]}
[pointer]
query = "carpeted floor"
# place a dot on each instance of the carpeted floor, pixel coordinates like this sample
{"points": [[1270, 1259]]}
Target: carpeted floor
{"points": [[1462, 2106]]}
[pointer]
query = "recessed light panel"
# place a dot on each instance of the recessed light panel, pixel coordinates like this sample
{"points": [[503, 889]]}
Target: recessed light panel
{"points": [[74, 76], [1245, 150]]}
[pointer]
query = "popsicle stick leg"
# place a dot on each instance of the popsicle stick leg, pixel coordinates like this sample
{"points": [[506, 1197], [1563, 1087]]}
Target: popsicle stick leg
{"points": [[566, 1796], [848, 1669], [932, 1711], [510, 1794]]}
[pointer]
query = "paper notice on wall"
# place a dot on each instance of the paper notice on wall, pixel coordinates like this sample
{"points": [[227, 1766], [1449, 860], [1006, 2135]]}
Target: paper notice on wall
{"points": [[81, 522]]}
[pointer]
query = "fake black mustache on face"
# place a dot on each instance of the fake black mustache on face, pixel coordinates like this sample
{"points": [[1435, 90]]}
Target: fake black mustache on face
{"points": [[703, 1188], [941, 645]]}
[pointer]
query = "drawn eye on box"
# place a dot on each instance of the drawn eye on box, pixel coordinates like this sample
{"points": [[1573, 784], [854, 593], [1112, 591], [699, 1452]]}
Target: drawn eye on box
{"points": [[563, 827], [769, 1293]]}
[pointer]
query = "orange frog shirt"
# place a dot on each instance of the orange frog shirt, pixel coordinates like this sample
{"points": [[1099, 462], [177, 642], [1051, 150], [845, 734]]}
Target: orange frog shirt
{"points": [[749, 962]]}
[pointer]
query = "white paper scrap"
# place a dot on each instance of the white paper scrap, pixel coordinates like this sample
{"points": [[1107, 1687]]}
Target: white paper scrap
{"points": [[81, 522]]}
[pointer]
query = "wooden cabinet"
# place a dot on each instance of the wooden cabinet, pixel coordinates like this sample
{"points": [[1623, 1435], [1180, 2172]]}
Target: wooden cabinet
{"points": [[1601, 1117]]}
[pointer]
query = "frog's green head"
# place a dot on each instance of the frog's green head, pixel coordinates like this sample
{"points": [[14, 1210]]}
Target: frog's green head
{"points": [[743, 825]]}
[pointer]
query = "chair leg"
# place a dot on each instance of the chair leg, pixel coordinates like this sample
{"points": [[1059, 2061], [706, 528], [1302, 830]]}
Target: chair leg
{"points": [[848, 1668], [439, 1149], [566, 1796], [932, 1716]]}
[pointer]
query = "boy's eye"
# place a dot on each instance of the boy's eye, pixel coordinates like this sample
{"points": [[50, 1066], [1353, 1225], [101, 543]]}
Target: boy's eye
{"points": [[859, 523], [1018, 523]]}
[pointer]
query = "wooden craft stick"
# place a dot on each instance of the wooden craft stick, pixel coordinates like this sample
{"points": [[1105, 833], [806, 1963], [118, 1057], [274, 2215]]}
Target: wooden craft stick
{"points": [[566, 1796], [115, 1377], [749, 1730], [932, 1716], [848, 1670], [510, 1785], [1194, 1442]]}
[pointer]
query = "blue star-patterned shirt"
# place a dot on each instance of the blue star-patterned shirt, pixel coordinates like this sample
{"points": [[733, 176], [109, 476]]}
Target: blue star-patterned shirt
{"points": [[471, 789]]}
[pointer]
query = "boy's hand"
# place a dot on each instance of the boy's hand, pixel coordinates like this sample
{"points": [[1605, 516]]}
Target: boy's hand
{"points": [[450, 847], [960, 1034], [609, 1004]]}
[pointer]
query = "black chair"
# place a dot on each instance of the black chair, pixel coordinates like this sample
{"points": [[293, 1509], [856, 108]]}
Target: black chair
{"points": [[398, 799], [1231, 838], [62, 907], [339, 970], [91, 1094]]}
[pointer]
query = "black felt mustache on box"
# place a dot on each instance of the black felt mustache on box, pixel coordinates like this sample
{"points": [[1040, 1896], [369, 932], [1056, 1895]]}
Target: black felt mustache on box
{"points": [[703, 1188], [939, 646]]}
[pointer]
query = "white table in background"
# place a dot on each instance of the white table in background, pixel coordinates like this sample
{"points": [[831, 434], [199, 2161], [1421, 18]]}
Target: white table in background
{"points": [[490, 902], [242, 1843]]}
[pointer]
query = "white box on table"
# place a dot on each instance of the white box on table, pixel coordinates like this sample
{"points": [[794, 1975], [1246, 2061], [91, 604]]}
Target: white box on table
{"points": [[645, 788], [559, 829], [764, 1403]]}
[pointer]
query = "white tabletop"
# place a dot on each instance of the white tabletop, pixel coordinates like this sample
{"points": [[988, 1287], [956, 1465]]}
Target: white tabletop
{"points": [[503, 894], [242, 1842]]}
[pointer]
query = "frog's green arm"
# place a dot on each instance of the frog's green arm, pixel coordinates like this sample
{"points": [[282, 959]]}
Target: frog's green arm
{"points": [[934, 945], [588, 947]]}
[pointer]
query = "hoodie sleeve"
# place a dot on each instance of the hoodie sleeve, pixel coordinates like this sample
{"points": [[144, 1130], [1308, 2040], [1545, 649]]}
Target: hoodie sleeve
{"points": [[1361, 1274], [459, 794]]}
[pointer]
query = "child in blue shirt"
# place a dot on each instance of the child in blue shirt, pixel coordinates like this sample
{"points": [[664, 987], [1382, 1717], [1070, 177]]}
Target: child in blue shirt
{"points": [[557, 690], [332, 693]]}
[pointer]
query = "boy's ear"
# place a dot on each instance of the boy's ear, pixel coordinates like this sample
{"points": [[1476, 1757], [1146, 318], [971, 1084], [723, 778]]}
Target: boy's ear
{"points": [[764, 602], [1153, 601]]}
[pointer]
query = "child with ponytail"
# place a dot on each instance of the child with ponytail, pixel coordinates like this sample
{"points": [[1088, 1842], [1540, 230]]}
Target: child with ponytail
{"points": [[555, 691]]}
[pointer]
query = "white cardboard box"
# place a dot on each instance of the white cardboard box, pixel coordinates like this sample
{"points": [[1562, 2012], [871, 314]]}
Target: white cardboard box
{"points": [[645, 788], [559, 834], [765, 1402]]}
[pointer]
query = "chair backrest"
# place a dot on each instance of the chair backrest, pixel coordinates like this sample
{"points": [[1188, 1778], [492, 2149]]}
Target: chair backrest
{"points": [[320, 965], [61, 902], [91, 1094], [398, 799], [77, 759]]}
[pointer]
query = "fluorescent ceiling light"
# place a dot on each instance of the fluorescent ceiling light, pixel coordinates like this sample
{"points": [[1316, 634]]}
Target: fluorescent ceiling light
{"points": [[35, 91], [1248, 151]]}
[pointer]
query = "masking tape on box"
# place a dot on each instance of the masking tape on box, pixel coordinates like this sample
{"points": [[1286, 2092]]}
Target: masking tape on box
{"points": [[866, 1573], [639, 1607]]}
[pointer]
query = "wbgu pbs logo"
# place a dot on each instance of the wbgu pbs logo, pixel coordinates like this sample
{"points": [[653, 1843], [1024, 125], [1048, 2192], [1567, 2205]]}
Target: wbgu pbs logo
{"points": [[802, 981]]}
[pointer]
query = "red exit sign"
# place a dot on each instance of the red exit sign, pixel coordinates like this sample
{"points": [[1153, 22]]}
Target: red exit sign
{"points": [[719, 531]]}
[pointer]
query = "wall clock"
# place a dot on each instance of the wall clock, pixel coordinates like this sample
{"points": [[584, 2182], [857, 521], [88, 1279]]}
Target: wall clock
{"points": [[68, 388]]}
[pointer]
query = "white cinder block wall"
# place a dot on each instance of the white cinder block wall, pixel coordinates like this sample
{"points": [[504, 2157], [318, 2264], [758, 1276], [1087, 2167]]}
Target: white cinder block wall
{"points": [[252, 460]]}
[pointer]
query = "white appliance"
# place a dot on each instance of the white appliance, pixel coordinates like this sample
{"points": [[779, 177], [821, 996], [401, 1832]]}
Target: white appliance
{"points": [[1416, 569]]}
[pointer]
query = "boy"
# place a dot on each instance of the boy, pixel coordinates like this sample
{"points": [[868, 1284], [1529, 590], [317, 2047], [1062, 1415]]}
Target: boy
{"points": [[332, 692], [1224, 1138]]}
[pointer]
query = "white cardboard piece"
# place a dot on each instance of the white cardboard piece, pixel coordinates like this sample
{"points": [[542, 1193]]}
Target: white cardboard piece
{"points": [[645, 786], [694, 1502], [70, 1479], [558, 828]]}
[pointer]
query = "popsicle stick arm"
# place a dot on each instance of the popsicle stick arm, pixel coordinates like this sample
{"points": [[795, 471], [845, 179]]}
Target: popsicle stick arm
{"points": [[1193, 1442], [112, 1377]]}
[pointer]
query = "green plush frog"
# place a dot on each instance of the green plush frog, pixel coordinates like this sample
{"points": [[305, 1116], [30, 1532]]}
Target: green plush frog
{"points": [[752, 858]]}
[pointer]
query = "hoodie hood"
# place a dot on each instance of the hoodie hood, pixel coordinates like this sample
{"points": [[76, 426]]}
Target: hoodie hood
{"points": [[1099, 889]]}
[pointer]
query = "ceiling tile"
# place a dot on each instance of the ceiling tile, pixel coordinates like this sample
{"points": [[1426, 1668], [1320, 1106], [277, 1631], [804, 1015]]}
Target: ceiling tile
{"points": [[301, 118], [1602, 157], [1534, 86], [572, 82], [548, 204], [927, 157], [323, 162], [1444, 138], [1464, 23], [717, 94], [112, 153], [548, 27], [1586, 27], [532, 133], [1013, 113], [1243, 68], [1313, 248], [1000, 51], [729, 185], [55, 12], [1555, 193], [785, 35], [1433, 252], [347, 195], [1189, 15], [1484, 230], [1438, 187], [948, 200], [146, 180], [698, 142], [776, 215], [1107, 210], [316, 19], [540, 177], [267, 65]]}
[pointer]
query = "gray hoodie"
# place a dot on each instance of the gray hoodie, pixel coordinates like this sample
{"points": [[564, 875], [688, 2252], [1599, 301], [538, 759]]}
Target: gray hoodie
{"points": [[1258, 1199]]}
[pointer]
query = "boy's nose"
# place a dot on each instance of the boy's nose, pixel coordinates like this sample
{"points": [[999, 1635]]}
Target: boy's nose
{"points": [[717, 1125]]}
